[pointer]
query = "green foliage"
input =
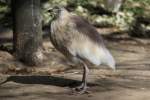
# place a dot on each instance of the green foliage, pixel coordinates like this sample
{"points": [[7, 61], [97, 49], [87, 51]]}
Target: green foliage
{"points": [[89, 9], [122, 20], [138, 7], [3, 9]]}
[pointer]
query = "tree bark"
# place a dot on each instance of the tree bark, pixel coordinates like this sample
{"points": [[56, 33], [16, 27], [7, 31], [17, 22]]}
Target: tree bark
{"points": [[114, 5], [27, 31]]}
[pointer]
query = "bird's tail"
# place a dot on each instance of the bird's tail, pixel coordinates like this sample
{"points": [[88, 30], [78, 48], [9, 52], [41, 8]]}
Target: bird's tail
{"points": [[110, 60]]}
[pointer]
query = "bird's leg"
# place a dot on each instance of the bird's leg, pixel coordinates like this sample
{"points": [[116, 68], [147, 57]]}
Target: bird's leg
{"points": [[83, 87]]}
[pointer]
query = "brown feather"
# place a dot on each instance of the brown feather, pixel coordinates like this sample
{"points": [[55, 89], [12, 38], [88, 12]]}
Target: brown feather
{"points": [[84, 27]]}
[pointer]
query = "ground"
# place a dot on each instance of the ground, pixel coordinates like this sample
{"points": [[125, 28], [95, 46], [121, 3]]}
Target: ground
{"points": [[52, 81]]}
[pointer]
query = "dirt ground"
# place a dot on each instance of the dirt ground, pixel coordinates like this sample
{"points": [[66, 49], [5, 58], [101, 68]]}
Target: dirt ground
{"points": [[52, 81]]}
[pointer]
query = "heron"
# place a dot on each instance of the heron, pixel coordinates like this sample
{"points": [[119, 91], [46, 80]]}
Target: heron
{"points": [[79, 41]]}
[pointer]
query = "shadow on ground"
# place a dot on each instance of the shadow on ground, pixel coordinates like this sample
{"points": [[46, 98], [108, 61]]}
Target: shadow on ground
{"points": [[45, 80]]}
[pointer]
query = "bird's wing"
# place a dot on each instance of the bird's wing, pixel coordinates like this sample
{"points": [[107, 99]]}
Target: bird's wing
{"points": [[86, 29], [88, 44], [83, 41]]}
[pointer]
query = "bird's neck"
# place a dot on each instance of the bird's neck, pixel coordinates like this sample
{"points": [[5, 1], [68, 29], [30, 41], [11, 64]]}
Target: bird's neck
{"points": [[64, 14]]}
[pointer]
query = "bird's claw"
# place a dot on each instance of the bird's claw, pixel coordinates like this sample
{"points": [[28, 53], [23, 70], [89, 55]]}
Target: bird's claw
{"points": [[80, 90]]}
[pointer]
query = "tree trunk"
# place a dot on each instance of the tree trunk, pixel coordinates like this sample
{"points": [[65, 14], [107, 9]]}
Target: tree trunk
{"points": [[27, 30], [114, 5]]}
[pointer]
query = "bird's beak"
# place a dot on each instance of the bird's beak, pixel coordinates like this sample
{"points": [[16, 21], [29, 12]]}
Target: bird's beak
{"points": [[53, 11]]}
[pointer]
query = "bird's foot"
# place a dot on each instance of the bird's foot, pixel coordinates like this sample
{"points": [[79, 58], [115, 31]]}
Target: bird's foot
{"points": [[82, 89]]}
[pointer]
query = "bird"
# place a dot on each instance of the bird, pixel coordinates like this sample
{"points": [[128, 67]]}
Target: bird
{"points": [[79, 42]]}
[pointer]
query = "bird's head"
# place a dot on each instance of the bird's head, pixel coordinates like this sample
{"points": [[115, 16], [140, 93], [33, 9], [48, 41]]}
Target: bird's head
{"points": [[57, 11]]}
